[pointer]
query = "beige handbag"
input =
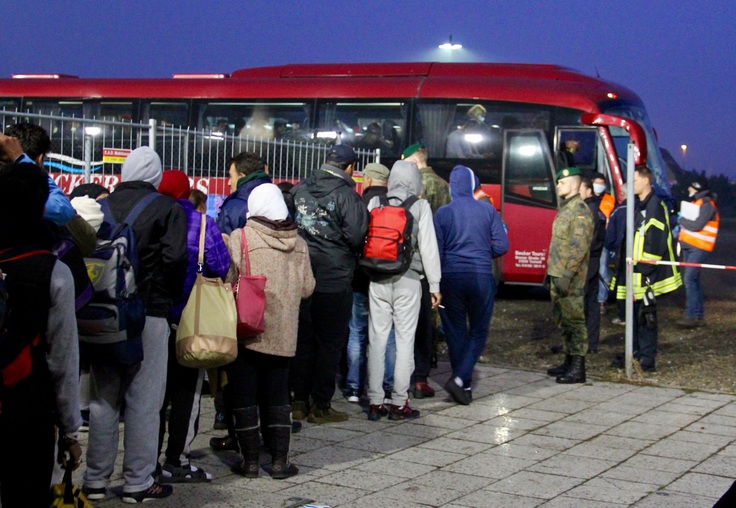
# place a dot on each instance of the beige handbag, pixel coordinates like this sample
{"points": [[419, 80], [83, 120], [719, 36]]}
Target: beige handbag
{"points": [[206, 336]]}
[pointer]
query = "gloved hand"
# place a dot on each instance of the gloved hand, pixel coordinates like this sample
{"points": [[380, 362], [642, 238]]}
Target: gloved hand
{"points": [[70, 445], [562, 284]]}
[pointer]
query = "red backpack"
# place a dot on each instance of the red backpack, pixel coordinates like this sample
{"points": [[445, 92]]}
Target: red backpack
{"points": [[388, 246]]}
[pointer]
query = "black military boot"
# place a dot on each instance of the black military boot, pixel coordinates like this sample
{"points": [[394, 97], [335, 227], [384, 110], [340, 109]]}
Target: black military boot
{"points": [[576, 373], [560, 369], [279, 429], [247, 430]]}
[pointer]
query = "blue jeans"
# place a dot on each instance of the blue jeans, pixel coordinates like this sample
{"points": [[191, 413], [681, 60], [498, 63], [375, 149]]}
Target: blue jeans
{"points": [[468, 301], [691, 277], [357, 343]]}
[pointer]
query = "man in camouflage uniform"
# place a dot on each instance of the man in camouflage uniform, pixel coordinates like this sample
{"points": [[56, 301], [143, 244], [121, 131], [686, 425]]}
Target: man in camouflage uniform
{"points": [[437, 192], [567, 267], [436, 189]]}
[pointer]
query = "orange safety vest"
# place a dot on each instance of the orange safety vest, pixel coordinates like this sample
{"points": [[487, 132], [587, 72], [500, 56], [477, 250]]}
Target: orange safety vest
{"points": [[704, 239], [479, 194], [607, 205]]}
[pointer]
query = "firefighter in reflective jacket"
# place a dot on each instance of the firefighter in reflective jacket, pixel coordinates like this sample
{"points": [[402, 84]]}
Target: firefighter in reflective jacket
{"points": [[652, 241], [567, 268], [697, 240]]}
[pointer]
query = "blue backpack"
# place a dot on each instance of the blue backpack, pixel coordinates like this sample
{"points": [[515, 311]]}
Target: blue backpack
{"points": [[111, 324]]}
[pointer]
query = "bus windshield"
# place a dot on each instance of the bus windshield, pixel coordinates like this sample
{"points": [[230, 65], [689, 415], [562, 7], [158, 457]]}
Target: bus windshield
{"points": [[654, 158]]}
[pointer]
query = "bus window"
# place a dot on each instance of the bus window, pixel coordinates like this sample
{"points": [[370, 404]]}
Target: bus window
{"points": [[56, 108], [9, 104], [474, 130], [365, 125], [578, 147], [121, 111], [528, 167], [269, 120], [172, 114]]}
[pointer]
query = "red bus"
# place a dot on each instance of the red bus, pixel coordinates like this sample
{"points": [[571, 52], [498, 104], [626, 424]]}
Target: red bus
{"points": [[508, 122]]}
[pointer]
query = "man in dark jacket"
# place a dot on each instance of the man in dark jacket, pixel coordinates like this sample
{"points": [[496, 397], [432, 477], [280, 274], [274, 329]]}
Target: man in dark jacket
{"points": [[247, 171], [592, 312], [160, 233], [333, 220]]}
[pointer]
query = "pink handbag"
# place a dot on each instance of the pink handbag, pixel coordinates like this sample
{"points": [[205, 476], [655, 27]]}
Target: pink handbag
{"points": [[250, 297]]}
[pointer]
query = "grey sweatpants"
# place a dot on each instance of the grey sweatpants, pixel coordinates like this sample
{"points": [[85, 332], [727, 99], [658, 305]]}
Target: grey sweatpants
{"points": [[393, 302], [142, 387]]}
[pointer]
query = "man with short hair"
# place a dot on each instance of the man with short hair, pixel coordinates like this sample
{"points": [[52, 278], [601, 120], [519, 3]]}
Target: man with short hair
{"points": [[333, 221], [247, 171], [437, 193], [36, 144], [606, 204], [567, 267], [160, 233], [592, 312], [698, 234], [653, 242]]}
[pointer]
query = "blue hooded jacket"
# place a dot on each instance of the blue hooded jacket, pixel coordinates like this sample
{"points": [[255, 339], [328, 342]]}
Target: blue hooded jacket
{"points": [[235, 207], [470, 233]]}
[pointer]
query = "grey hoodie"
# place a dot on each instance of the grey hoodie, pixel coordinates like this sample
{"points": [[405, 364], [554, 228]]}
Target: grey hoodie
{"points": [[405, 180], [144, 165]]}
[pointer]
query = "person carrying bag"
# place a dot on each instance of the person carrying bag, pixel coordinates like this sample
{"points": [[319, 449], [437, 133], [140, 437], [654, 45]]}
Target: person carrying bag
{"points": [[205, 337]]}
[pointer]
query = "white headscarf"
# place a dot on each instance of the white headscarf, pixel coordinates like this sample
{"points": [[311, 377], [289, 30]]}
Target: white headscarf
{"points": [[90, 210], [267, 201]]}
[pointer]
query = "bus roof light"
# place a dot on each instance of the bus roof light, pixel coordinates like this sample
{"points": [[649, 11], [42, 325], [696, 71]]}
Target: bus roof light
{"points": [[200, 76], [611, 95], [42, 76]]}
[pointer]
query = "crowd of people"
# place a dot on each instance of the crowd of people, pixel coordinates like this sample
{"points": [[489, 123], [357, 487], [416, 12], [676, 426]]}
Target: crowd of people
{"points": [[323, 306]]}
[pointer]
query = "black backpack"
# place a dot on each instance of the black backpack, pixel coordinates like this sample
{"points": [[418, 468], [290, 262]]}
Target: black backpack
{"points": [[21, 340]]}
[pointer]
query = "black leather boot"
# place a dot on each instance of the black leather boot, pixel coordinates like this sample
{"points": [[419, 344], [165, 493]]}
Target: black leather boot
{"points": [[279, 429], [560, 369], [248, 432], [576, 373]]}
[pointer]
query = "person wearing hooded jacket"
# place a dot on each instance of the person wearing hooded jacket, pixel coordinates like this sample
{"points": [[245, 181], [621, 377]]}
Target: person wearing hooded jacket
{"points": [[259, 374], [160, 234], [396, 300], [184, 384], [333, 220], [470, 235]]}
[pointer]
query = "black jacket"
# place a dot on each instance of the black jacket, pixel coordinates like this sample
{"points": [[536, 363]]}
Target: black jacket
{"points": [[161, 239], [333, 220]]}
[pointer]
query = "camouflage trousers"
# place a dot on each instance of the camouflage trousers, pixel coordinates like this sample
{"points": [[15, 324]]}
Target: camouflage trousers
{"points": [[569, 314]]}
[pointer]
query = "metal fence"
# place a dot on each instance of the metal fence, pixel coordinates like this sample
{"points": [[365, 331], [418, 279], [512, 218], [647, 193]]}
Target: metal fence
{"points": [[87, 150]]}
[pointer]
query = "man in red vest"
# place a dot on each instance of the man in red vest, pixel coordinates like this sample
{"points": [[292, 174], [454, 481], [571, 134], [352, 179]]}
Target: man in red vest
{"points": [[699, 221]]}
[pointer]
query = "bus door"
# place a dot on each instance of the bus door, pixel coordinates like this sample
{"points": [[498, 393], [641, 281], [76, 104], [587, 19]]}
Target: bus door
{"points": [[528, 204]]}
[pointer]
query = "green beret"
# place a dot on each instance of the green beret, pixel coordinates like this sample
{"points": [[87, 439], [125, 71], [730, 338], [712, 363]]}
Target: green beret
{"points": [[563, 173], [411, 150]]}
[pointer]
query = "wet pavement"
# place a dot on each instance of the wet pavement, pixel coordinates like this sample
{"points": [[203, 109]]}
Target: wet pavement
{"points": [[525, 441]]}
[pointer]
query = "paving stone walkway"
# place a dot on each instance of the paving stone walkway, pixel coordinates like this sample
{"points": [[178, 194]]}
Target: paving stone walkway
{"points": [[525, 441]]}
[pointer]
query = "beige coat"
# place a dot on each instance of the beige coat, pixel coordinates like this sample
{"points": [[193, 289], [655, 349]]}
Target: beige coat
{"points": [[283, 257]]}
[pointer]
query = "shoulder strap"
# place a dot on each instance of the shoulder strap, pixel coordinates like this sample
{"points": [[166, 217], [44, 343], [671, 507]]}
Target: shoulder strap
{"points": [[383, 200], [200, 254], [138, 208], [408, 202], [244, 254]]}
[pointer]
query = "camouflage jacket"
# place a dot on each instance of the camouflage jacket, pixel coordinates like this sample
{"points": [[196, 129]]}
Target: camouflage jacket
{"points": [[436, 190], [572, 233]]}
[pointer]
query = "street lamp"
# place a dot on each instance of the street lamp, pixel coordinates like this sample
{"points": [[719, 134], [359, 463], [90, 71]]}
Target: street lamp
{"points": [[684, 151], [449, 45]]}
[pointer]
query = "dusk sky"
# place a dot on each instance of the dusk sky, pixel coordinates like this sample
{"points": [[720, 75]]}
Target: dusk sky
{"points": [[678, 56]]}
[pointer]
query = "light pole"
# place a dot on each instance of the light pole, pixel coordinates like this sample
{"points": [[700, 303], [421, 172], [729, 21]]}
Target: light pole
{"points": [[684, 151], [449, 47]]}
